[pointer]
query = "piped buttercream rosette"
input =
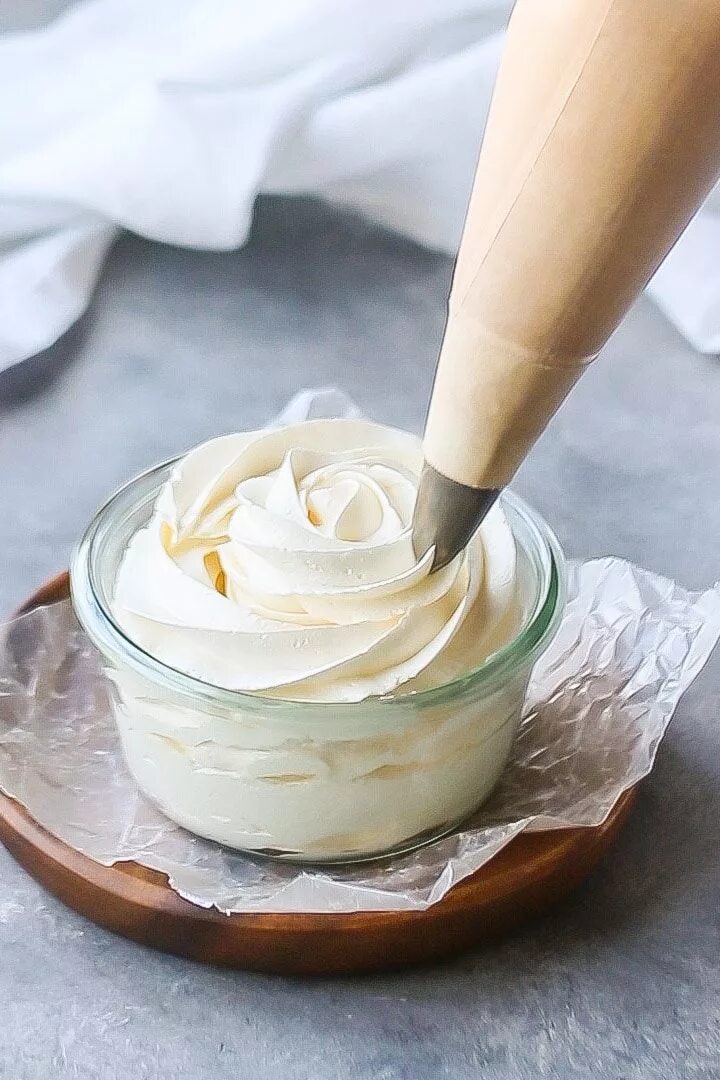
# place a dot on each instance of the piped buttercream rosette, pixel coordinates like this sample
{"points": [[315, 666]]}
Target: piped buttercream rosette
{"points": [[280, 563]]}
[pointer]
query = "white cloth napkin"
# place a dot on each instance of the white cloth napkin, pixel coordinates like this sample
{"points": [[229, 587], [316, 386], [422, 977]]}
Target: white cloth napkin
{"points": [[168, 118]]}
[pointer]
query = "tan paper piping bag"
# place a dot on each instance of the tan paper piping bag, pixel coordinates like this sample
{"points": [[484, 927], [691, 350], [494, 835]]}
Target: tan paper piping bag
{"points": [[603, 139]]}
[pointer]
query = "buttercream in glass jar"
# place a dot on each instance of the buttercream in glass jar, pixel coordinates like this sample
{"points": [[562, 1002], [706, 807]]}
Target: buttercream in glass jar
{"points": [[288, 678]]}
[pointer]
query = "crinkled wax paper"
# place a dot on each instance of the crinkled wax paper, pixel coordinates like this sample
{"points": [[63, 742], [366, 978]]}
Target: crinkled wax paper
{"points": [[599, 702]]}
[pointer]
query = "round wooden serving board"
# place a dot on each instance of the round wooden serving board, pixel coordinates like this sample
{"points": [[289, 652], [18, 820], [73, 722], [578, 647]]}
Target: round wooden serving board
{"points": [[528, 876]]}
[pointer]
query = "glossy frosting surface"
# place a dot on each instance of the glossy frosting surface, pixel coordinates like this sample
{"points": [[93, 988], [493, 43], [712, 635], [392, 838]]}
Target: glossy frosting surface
{"points": [[280, 562]]}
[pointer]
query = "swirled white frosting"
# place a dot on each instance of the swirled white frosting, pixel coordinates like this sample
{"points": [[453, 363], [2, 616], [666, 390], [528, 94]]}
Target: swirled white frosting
{"points": [[280, 562]]}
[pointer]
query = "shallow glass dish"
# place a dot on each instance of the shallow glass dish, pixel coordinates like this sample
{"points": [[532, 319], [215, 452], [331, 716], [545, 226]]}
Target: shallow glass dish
{"points": [[304, 781]]}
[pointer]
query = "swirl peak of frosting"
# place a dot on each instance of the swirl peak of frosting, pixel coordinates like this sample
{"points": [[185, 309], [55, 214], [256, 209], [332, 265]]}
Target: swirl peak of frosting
{"points": [[280, 562]]}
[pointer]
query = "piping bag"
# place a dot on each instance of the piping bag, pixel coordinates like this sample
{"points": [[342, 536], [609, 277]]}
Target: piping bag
{"points": [[603, 139]]}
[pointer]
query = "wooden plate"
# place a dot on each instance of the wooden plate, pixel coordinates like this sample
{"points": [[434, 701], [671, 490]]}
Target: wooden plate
{"points": [[528, 876]]}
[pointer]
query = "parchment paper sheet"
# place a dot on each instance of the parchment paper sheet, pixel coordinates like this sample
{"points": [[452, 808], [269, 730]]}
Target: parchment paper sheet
{"points": [[599, 703]]}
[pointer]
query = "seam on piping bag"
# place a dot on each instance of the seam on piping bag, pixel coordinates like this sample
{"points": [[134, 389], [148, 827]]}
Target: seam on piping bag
{"points": [[541, 149]]}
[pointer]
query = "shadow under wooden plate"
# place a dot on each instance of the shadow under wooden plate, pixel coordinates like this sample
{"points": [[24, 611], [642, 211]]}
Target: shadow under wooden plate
{"points": [[528, 877]]}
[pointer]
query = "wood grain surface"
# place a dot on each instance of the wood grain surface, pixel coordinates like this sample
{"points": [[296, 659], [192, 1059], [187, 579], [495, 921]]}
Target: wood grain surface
{"points": [[528, 877]]}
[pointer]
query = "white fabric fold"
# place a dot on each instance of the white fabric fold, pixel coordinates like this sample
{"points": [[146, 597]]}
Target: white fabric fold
{"points": [[169, 122], [687, 285]]}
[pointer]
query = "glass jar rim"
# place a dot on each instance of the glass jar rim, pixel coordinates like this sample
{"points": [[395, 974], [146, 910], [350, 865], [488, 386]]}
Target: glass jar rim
{"points": [[96, 618]]}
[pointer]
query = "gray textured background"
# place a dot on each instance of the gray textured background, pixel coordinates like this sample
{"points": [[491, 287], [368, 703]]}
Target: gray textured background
{"points": [[624, 981]]}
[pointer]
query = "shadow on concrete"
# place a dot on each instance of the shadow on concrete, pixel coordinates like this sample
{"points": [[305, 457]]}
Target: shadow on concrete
{"points": [[35, 376]]}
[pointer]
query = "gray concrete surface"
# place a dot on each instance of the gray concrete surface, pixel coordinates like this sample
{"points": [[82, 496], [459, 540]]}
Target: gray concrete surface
{"points": [[624, 980]]}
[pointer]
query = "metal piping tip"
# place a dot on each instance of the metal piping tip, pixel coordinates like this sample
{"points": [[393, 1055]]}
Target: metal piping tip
{"points": [[446, 515]]}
